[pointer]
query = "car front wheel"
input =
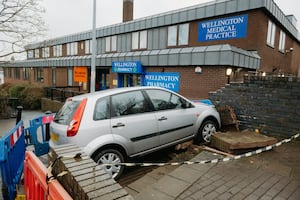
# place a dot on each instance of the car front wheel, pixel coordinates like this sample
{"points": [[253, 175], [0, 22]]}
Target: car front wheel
{"points": [[112, 158], [206, 130]]}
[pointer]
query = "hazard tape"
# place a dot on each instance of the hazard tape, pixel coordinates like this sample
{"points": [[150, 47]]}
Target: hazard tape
{"points": [[226, 159]]}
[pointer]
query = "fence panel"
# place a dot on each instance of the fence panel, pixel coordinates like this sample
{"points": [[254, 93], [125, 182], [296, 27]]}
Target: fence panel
{"points": [[36, 185], [12, 154], [37, 134]]}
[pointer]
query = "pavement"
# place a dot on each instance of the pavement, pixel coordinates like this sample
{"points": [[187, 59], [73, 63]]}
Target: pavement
{"points": [[7, 124], [273, 174]]}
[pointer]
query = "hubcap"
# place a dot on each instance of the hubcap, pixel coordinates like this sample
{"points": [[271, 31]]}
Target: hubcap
{"points": [[113, 160], [208, 130]]}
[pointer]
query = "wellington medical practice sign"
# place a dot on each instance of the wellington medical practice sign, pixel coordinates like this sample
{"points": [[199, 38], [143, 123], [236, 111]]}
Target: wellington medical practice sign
{"points": [[168, 80], [223, 29]]}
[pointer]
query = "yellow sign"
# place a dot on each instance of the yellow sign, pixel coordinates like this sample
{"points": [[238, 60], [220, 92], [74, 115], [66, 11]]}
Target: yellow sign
{"points": [[80, 74]]}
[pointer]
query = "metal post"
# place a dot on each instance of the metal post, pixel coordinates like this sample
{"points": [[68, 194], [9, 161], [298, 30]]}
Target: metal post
{"points": [[94, 45], [19, 114], [47, 127]]}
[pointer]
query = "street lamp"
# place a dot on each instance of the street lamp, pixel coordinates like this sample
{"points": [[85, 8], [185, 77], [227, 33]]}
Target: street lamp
{"points": [[94, 45]]}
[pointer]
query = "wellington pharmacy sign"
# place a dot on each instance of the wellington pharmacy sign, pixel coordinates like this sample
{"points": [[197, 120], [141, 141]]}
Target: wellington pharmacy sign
{"points": [[168, 80], [223, 29], [128, 67]]}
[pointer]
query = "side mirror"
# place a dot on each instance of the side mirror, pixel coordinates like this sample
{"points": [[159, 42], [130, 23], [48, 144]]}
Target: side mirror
{"points": [[186, 104]]}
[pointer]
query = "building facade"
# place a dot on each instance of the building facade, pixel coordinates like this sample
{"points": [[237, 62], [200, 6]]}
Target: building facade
{"points": [[192, 51]]}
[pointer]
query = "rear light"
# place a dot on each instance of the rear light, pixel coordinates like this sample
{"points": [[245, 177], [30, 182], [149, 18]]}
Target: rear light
{"points": [[75, 122]]}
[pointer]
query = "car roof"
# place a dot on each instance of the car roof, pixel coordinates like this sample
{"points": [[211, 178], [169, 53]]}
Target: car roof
{"points": [[107, 92]]}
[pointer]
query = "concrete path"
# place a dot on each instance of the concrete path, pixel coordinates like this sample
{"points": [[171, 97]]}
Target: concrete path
{"points": [[269, 175]]}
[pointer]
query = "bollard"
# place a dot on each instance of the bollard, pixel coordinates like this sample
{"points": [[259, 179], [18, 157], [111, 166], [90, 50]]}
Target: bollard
{"points": [[19, 114], [47, 127]]}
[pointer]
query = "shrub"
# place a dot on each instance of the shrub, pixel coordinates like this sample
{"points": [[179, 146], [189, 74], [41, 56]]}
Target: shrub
{"points": [[29, 95]]}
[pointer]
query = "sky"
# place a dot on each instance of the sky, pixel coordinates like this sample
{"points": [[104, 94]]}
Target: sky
{"points": [[65, 17]]}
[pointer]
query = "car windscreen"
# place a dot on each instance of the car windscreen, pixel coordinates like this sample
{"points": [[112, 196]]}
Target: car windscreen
{"points": [[65, 114]]}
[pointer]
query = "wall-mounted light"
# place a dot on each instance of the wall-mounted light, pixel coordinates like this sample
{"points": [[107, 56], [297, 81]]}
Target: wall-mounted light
{"points": [[264, 74], [289, 50], [228, 73], [198, 70]]}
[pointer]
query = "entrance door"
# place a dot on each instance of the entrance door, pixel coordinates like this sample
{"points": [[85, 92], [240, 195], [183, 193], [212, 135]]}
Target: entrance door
{"points": [[101, 79], [129, 80]]}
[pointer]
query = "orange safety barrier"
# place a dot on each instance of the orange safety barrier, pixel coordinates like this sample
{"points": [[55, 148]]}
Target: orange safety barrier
{"points": [[36, 185]]}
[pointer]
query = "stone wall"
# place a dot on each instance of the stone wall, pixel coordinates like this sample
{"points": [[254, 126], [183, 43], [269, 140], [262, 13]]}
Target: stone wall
{"points": [[269, 104]]}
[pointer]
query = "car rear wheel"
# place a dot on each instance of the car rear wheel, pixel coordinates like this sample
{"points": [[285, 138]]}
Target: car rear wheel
{"points": [[206, 130], [112, 157]]}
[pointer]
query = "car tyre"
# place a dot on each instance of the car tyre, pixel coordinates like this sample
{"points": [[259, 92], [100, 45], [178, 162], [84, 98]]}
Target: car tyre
{"points": [[113, 157], [205, 131]]}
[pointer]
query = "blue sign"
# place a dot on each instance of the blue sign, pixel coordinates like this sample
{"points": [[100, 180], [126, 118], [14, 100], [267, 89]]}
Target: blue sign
{"points": [[223, 29], [168, 80], [128, 67]]}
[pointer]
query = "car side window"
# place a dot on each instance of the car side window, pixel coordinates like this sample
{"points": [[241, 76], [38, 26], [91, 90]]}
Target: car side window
{"points": [[163, 100], [128, 103], [101, 109]]}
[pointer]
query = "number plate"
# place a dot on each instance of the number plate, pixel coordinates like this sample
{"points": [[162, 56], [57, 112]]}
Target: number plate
{"points": [[54, 137]]}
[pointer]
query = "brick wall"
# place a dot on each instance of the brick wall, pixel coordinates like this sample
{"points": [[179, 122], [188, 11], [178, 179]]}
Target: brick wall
{"points": [[271, 104], [193, 85]]}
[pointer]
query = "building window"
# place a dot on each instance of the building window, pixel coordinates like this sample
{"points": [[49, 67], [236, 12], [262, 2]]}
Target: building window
{"points": [[26, 73], [46, 52], [70, 76], [178, 35], [111, 44], [17, 73], [139, 40], [271, 34], [53, 76], [36, 53], [282, 41], [30, 54], [9, 74], [57, 51], [88, 46], [39, 74], [72, 49]]}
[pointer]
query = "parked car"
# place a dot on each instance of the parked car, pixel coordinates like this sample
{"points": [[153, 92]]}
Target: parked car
{"points": [[115, 124]]}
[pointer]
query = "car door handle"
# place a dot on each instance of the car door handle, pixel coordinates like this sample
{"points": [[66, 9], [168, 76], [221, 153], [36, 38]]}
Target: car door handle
{"points": [[162, 118], [118, 125]]}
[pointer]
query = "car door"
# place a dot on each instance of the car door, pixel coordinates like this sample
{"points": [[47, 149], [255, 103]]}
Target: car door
{"points": [[175, 120], [132, 122]]}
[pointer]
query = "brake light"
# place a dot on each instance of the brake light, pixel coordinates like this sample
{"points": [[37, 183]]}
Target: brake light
{"points": [[75, 122]]}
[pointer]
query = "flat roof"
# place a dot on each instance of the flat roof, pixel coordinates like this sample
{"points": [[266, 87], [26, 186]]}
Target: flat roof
{"points": [[196, 12], [214, 55]]}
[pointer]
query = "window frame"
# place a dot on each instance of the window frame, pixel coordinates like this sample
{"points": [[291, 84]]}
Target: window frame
{"points": [[39, 74], [282, 41], [72, 49], [271, 34], [111, 44], [128, 107], [139, 40], [106, 99], [37, 53], [88, 46], [30, 54], [45, 52], [26, 73], [17, 74], [57, 50], [176, 33]]}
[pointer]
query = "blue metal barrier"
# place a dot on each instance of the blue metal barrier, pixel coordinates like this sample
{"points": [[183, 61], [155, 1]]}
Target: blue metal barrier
{"points": [[12, 155], [37, 134]]}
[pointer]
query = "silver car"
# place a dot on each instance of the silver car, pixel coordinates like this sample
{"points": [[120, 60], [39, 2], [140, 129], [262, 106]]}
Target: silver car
{"points": [[114, 124]]}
